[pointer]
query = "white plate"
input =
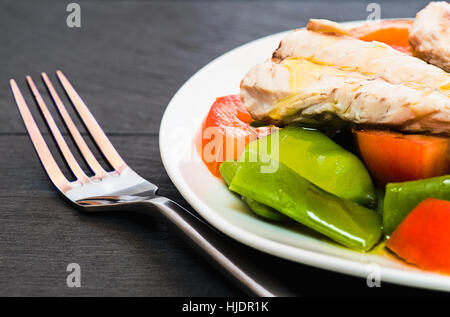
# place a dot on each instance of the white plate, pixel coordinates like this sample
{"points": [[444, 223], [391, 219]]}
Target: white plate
{"points": [[211, 199]]}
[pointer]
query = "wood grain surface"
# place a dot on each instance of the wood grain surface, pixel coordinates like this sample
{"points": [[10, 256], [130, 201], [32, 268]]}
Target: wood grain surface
{"points": [[127, 60]]}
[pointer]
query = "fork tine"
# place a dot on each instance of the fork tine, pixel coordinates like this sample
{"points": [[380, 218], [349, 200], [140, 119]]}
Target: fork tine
{"points": [[85, 151], [94, 128], [46, 157], [68, 156]]}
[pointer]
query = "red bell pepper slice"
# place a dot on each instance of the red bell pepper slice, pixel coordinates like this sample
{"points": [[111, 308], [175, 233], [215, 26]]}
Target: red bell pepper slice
{"points": [[396, 157], [394, 33], [423, 237], [226, 131]]}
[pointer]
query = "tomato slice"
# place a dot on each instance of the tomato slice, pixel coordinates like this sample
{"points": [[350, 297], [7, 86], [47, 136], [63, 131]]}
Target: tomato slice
{"points": [[423, 237], [226, 131], [395, 157], [394, 33]]}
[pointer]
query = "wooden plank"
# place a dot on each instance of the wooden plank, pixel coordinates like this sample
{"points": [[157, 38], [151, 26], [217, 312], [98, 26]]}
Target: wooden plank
{"points": [[121, 255]]}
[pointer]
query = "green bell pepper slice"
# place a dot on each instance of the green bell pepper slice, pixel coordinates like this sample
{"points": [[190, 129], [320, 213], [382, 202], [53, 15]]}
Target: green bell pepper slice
{"points": [[283, 189], [402, 198], [317, 158], [227, 170]]}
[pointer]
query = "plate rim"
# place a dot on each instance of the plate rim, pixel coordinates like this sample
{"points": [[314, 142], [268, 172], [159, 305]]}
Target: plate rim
{"points": [[419, 279]]}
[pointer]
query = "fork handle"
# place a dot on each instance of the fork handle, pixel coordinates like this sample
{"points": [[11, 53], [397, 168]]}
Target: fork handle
{"points": [[225, 254]]}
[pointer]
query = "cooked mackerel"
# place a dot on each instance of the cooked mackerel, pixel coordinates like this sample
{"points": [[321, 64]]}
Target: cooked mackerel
{"points": [[334, 80], [430, 34], [367, 57]]}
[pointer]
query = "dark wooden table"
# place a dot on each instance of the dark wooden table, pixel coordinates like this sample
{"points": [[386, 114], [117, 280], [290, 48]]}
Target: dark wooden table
{"points": [[127, 60]]}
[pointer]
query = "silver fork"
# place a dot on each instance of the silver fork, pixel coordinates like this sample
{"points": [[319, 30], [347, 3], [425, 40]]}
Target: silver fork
{"points": [[123, 189]]}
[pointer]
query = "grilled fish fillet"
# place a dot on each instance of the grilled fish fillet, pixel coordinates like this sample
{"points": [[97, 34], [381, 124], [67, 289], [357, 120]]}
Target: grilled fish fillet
{"points": [[430, 34], [333, 80], [368, 57]]}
